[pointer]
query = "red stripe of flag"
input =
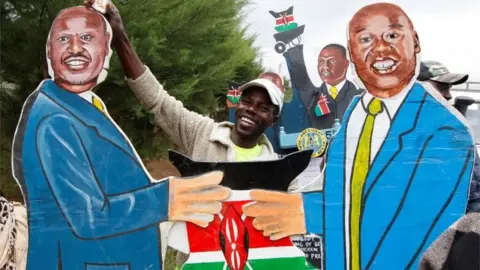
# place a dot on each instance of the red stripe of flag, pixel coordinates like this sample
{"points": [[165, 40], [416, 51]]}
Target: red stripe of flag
{"points": [[208, 239], [284, 20], [322, 103], [233, 93]]}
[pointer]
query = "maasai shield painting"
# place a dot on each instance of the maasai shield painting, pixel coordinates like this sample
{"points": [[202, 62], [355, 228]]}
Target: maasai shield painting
{"points": [[231, 241]]}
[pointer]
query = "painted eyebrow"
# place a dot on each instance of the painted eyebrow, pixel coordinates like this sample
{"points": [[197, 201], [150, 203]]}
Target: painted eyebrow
{"points": [[396, 25], [327, 57], [85, 31], [360, 30]]}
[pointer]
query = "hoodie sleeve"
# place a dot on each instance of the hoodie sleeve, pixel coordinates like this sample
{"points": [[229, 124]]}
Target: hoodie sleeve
{"points": [[180, 124]]}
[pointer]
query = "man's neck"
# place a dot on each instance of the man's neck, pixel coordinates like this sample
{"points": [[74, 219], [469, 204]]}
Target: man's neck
{"points": [[243, 142], [336, 83], [382, 93]]}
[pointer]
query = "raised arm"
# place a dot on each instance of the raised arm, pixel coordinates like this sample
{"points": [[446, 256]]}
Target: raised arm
{"points": [[90, 212], [298, 73], [180, 124]]}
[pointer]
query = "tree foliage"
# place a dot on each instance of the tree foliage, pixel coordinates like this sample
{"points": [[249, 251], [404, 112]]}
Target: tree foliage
{"points": [[287, 85], [193, 47]]}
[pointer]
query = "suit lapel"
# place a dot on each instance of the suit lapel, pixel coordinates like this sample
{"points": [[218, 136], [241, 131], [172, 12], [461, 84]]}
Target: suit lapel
{"points": [[402, 124], [86, 113]]}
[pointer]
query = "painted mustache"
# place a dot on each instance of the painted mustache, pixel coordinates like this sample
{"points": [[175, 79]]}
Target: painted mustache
{"points": [[326, 73]]}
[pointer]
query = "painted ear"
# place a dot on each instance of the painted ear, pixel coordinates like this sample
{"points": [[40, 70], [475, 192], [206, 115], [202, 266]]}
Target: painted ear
{"points": [[417, 43], [49, 53], [107, 38], [349, 52]]}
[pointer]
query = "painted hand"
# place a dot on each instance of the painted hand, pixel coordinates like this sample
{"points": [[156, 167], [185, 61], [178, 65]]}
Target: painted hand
{"points": [[113, 17], [277, 214], [196, 199]]}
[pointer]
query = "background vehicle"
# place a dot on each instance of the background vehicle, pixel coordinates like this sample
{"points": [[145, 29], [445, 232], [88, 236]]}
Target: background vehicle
{"points": [[471, 90]]}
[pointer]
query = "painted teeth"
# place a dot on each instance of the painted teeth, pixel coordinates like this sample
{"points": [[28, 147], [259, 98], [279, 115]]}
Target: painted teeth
{"points": [[75, 63], [383, 65]]}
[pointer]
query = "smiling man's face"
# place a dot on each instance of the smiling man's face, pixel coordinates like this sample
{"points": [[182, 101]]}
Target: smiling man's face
{"points": [[77, 48], [383, 46]]}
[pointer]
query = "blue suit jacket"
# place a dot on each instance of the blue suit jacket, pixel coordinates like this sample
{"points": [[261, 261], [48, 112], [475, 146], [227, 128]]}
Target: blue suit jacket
{"points": [[90, 203], [416, 188]]}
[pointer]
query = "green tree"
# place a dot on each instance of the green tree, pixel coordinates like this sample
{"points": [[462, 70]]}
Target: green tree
{"points": [[193, 47], [287, 85]]}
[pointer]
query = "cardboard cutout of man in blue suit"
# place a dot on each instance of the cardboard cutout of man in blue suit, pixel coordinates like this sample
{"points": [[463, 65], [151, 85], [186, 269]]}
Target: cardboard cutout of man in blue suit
{"points": [[398, 170], [91, 204]]}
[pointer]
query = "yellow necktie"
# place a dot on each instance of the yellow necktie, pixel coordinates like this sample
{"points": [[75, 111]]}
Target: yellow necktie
{"points": [[98, 104], [333, 92], [361, 165]]}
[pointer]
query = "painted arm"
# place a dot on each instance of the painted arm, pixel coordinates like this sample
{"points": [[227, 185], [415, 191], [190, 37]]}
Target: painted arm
{"points": [[298, 74], [435, 199], [297, 69], [313, 209], [90, 212]]}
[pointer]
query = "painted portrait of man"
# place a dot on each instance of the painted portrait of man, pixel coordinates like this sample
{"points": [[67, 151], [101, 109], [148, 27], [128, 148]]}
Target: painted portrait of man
{"points": [[78, 49], [85, 187], [336, 91], [397, 172]]}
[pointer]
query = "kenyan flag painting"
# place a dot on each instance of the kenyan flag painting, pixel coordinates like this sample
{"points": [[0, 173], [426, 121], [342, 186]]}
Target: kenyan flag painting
{"points": [[233, 94], [231, 242], [322, 106]]}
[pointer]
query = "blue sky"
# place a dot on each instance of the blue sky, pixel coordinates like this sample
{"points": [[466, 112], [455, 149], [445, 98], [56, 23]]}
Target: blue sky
{"points": [[448, 32]]}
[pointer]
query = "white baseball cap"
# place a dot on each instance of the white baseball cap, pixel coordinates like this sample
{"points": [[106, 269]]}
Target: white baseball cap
{"points": [[276, 95]]}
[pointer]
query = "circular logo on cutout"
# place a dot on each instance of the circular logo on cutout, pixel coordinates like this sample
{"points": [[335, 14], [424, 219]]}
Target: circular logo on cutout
{"points": [[312, 138]]}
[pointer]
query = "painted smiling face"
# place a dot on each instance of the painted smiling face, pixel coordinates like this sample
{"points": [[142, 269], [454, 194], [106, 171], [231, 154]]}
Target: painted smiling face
{"points": [[77, 48], [383, 46]]}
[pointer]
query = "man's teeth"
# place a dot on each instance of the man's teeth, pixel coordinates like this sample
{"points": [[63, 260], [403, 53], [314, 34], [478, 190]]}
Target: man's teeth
{"points": [[247, 120], [383, 65], [76, 64]]}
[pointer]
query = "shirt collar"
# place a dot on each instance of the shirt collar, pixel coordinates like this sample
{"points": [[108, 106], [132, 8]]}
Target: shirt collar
{"points": [[338, 86], [392, 103], [87, 95]]}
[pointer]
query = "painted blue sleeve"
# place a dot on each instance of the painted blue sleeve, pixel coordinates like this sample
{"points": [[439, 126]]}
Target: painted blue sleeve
{"points": [[90, 212], [447, 157], [313, 209]]}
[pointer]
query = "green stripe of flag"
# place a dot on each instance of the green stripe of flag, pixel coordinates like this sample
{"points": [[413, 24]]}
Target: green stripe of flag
{"points": [[267, 264]]}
